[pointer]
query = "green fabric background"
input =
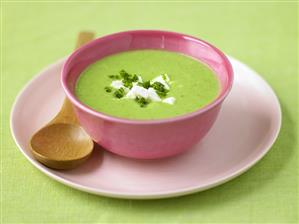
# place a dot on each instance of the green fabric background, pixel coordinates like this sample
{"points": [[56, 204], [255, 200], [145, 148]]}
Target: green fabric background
{"points": [[263, 35]]}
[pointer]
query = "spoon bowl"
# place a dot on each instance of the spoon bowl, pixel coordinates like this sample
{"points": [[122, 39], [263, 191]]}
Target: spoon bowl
{"points": [[61, 145]]}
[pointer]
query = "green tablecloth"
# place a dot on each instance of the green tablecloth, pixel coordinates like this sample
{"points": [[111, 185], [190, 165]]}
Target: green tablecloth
{"points": [[263, 35]]}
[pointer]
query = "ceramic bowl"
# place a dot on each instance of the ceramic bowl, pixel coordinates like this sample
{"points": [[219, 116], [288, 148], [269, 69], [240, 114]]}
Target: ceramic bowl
{"points": [[147, 139]]}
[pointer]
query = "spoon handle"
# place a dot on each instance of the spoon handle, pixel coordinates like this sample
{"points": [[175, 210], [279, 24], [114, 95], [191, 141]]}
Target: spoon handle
{"points": [[67, 114], [84, 38]]}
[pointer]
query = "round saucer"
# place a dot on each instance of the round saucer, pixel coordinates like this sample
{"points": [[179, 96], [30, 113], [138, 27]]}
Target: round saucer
{"points": [[244, 132]]}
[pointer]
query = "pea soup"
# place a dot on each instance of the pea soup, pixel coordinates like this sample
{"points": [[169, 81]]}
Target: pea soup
{"points": [[147, 84]]}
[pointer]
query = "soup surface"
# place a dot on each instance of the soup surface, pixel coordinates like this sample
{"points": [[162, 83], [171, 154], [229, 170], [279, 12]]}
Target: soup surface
{"points": [[189, 85]]}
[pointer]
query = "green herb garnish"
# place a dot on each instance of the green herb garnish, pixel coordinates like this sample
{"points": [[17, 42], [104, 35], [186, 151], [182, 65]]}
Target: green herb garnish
{"points": [[142, 101], [128, 83], [124, 74], [128, 80], [161, 94], [108, 89], [146, 84], [135, 78], [160, 89], [158, 86], [119, 93], [114, 76]]}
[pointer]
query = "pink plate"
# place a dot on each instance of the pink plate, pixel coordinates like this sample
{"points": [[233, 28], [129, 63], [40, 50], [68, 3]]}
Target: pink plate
{"points": [[234, 144]]}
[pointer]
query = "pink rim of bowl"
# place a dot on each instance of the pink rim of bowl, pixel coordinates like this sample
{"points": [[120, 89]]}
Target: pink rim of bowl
{"points": [[94, 121]]}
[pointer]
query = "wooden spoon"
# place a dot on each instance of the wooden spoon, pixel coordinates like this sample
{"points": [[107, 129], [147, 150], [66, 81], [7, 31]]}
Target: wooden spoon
{"points": [[63, 144]]}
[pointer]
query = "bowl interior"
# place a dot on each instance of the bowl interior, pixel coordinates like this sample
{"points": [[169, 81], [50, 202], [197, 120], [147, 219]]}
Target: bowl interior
{"points": [[148, 39]]}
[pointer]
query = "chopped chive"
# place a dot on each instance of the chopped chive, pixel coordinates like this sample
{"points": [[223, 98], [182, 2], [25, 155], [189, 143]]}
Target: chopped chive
{"points": [[158, 86], [127, 83], [108, 89], [146, 84], [128, 80], [161, 94], [119, 93], [135, 78], [124, 74], [142, 101], [160, 89], [114, 76]]}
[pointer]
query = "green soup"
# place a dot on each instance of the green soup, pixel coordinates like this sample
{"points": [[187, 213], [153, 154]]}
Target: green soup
{"points": [[193, 85]]}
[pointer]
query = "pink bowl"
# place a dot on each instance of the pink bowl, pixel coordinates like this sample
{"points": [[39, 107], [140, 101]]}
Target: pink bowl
{"points": [[147, 139]]}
